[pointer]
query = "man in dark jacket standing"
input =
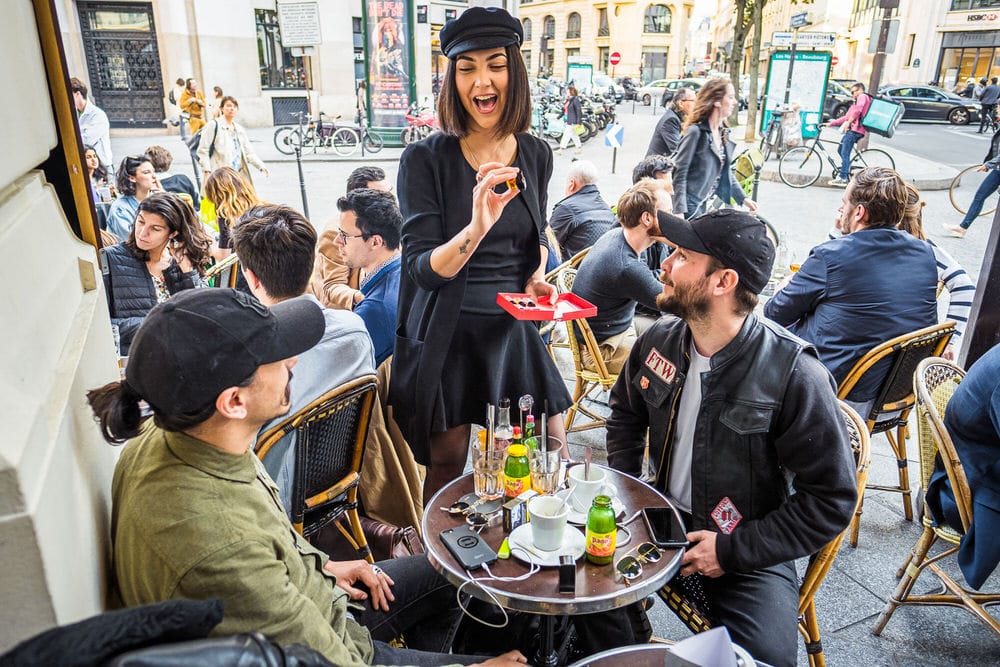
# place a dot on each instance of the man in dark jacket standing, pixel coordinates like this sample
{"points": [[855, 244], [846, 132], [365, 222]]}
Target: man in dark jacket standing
{"points": [[667, 134], [988, 103], [582, 216], [744, 431]]}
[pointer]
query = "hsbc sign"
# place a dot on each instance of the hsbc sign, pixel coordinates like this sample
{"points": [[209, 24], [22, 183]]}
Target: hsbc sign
{"points": [[980, 17]]}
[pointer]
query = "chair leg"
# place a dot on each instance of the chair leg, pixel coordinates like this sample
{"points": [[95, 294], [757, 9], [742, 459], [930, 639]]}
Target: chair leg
{"points": [[964, 599], [578, 393], [809, 628], [898, 444], [909, 577], [358, 531], [856, 521]]}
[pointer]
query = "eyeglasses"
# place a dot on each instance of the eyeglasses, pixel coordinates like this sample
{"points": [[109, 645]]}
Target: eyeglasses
{"points": [[629, 567], [344, 236]]}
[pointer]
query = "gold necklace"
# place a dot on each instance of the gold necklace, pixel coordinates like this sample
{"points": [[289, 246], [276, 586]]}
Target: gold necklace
{"points": [[475, 158]]}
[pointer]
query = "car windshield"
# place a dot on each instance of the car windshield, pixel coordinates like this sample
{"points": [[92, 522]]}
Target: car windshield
{"points": [[835, 88]]}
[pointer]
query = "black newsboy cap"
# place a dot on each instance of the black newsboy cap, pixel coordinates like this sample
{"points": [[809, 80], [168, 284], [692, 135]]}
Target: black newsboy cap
{"points": [[480, 28]]}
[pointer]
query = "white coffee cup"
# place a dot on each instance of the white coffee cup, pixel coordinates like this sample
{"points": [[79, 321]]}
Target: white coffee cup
{"points": [[548, 516], [586, 489]]}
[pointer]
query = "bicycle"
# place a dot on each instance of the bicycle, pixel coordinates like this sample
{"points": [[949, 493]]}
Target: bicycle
{"points": [[964, 187], [802, 166], [318, 134], [774, 136], [346, 140]]}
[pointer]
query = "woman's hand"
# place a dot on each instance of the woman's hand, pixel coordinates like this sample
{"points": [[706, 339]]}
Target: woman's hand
{"points": [[537, 287], [487, 205], [179, 255], [266, 172], [750, 204], [373, 577]]}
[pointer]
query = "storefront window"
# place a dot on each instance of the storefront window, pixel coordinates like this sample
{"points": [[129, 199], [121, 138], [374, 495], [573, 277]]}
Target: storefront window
{"points": [[278, 69], [654, 64], [963, 5]]}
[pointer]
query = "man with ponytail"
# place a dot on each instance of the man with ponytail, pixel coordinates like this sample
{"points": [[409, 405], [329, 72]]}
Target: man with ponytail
{"points": [[195, 515]]}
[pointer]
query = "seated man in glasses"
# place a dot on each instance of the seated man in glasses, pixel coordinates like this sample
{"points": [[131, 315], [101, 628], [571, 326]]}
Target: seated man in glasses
{"points": [[745, 435]]}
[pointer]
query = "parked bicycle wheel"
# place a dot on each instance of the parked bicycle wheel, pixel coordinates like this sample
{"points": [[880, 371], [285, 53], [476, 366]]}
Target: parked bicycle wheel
{"points": [[800, 167], [286, 139], [872, 157], [963, 188], [772, 231], [373, 142], [772, 141], [345, 141], [409, 135]]}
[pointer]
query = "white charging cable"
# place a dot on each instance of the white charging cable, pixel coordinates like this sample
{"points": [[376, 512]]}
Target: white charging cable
{"points": [[533, 567]]}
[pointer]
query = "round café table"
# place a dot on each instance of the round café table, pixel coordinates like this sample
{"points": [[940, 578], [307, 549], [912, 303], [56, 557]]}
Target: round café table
{"points": [[597, 588]]}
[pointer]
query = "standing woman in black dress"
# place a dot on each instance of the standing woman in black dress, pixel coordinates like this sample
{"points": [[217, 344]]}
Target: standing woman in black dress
{"points": [[456, 350]]}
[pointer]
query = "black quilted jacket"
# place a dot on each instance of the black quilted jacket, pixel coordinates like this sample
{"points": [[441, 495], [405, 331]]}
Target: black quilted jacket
{"points": [[130, 289]]}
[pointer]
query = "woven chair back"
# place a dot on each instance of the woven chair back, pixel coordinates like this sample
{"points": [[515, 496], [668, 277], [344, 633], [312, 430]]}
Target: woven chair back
{"points": [[934, 384]]}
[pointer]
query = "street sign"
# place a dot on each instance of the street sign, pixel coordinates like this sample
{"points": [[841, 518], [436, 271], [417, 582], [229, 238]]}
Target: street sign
{"points": [[707, 60], [800, 20], [834, 60], [613, 137], [816, 40], [615, 58], [890, 45]]}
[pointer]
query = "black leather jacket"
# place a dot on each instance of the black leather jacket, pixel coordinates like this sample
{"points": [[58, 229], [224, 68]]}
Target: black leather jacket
{"points": [[770, 438]]}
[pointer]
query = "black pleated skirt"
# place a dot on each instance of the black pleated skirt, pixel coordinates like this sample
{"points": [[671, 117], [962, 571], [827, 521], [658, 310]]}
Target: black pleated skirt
{"points": [[493, 357]]}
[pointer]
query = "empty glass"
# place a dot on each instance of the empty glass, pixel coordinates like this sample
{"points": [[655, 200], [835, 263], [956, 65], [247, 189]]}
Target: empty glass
{"points": [[546, 471], [487, 471]]}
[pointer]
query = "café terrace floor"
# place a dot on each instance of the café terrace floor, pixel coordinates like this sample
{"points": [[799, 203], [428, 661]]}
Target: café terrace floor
{"points": [[861, 579]]}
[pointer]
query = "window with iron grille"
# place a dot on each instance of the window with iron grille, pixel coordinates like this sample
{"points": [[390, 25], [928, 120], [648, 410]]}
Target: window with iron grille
{"points": [[657, 19], [278, 68], [549, 27], [602, 22], [573, 26], [526, 26], [526, 54]]}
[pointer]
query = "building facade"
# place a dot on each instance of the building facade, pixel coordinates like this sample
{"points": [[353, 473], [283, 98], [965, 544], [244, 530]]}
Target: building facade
{"points": [[651, 37]]}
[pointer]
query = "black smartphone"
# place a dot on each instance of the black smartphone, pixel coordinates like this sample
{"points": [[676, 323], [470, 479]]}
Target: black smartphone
{"points": [[468, 548], [665, 527]]}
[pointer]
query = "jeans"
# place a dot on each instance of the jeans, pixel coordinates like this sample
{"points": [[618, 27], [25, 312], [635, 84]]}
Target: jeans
{"points": [[986, 188], [425, 611], [846, 145]]}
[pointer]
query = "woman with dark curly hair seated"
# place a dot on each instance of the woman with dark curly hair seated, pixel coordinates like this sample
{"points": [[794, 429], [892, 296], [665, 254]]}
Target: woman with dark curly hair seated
{"points": [[166, 252]]}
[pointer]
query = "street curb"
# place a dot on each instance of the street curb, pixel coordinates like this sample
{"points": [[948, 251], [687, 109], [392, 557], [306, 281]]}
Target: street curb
{"points": [[920, 183]]}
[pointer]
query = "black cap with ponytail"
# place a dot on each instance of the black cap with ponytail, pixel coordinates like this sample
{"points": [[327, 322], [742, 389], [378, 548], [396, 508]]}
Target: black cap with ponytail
{"points": [[116, 407]]}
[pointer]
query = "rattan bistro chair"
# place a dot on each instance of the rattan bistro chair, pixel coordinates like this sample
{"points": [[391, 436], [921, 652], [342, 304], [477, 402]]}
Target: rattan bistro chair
{"points": [[819, 563], [549, 328], [934, 383], [330, 440], [891, 409], [227, 271], [588, 378]]}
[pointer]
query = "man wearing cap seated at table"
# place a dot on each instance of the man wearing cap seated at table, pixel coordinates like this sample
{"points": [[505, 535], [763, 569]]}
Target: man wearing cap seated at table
{"points": [[613, 277], [744, 431], [194, 514]]}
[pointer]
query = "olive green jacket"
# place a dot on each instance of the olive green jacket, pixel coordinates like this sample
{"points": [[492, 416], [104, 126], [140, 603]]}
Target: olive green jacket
{"points": [[191, 521]]}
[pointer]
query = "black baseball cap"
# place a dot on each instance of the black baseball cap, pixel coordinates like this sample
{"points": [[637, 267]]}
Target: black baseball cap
{"points": [[736, 238], [202, 341], [480, 28]]}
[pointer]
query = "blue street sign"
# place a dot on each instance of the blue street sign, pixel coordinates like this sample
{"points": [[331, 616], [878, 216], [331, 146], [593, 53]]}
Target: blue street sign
{"points": [[613, 137]]}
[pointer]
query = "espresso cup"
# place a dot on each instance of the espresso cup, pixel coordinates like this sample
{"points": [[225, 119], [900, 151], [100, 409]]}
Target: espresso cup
{"points": [[547, 518], [584, 490]]}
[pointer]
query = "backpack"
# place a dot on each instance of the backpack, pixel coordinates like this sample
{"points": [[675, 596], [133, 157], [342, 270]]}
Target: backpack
{"points": [[883, 116], [194, 141]]}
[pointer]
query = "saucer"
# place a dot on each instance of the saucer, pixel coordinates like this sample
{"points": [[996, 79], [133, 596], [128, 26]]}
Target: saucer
{"points": [[522, 548], [580, 518]]}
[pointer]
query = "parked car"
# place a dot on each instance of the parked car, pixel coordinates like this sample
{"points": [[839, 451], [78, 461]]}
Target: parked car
{"points": [[932, 103], [602, 84], [629, 85], [662, 90], [838, 101], [847, 83]]}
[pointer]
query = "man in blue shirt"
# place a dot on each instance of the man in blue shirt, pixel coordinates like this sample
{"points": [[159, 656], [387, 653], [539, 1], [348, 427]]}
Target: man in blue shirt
{"points": [[368, 239], [874, 283]]}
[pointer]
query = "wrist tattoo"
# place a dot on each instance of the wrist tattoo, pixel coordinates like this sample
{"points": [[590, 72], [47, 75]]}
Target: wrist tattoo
{"points": [[464, 248]]}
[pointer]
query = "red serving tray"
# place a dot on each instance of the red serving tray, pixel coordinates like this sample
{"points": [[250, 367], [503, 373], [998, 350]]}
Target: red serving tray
{"points": [[566, 307]]}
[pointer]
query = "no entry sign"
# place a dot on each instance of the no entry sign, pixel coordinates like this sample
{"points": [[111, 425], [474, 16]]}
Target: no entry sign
{"points": [[615, 58]]}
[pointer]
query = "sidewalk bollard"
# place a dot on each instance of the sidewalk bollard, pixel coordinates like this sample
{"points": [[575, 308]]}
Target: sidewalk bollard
{"points": [[302, 182], [756, 180]]}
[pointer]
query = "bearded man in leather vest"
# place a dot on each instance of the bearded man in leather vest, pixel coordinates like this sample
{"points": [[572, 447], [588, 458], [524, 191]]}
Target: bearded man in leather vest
{"points": [[745, 434]]}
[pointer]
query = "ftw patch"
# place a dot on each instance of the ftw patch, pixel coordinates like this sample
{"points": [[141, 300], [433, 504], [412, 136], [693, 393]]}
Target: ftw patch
{"points": [[659, 364], [726, 516]]}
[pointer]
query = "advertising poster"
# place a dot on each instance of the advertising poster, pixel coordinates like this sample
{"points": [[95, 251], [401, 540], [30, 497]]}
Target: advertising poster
{"points": [[809, 77], [389, 33]]}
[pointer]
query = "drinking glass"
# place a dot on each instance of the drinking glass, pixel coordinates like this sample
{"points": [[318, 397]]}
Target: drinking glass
{"points": [[487, 471], [546, 471]]}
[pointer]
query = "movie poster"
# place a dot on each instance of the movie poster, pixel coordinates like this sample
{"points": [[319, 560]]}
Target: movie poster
{"points": [[389, 33]]}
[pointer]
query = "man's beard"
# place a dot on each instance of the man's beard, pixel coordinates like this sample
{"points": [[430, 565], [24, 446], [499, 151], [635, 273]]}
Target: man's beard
{"points": [[688, 302]]}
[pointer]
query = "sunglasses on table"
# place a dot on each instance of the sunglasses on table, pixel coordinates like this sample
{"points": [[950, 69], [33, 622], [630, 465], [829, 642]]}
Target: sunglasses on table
{"points": [[629, 566]]}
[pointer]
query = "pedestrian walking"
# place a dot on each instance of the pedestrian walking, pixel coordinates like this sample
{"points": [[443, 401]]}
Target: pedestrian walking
{"points": [[224, 143], [667, 135], [988, 104], [193, 103], [574, 116]]}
